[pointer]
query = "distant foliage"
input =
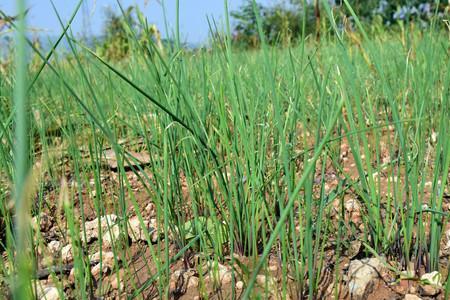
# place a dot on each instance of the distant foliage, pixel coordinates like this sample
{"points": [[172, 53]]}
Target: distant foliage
{"points": [[117, 40], [393, 11], [116, 45], [246, 28], [282, 22], [411, 10]]}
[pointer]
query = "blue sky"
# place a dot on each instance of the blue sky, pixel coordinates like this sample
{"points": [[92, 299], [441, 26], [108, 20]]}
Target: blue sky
{"points": [[193, 13]]}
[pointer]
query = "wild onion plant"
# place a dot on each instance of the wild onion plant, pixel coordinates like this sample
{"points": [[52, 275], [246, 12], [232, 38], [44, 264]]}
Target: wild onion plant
{"points": [[242, 145]]}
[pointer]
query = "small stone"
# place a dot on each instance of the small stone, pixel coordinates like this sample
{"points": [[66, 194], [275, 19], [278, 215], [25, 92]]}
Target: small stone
{"points": [[261, 279], [226, 277], [219, 273], [433, 278], [414, 289], [429, 291], [362, 274], [354, 249], [107, 264], [412, 297], [107, 258], [273, 268], [117, 284], [96, 271], [49, 293], [193, 282], [72, 276], [114, 283], [352, 205], [54, 247], [111, 236], [153, 230], [67, 253], [92, 227], [154, 237], [180, 279], [135, 231], [150, 209], [431, 284], [239, 285]]}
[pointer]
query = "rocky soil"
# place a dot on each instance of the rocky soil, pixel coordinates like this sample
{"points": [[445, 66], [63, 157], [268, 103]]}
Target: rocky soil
{"points": [[120, 264]]}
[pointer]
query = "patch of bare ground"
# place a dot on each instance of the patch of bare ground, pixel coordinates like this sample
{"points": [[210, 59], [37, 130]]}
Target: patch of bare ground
{"points": [[130, 263]]}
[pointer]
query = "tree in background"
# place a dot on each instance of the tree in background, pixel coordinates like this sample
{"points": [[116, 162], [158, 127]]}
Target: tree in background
{"points": [[246, 28], [282, 25], [116, 43], [282, 22]]}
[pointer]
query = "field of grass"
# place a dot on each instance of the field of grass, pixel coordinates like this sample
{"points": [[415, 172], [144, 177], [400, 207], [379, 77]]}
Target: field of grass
{"points": [[280, 166]]}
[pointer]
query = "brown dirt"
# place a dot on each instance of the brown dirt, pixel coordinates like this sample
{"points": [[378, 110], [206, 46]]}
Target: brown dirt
{"points": [[141, 266]]}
